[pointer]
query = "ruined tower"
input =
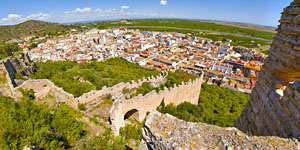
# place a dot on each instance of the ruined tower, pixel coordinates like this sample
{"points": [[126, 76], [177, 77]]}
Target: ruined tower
{"points": [[274, 104]]}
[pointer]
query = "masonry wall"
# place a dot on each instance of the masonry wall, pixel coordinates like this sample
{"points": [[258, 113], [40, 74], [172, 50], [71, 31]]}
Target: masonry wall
{"points": [[43, 87], [88, 97], [186, 92], [274, 105]]}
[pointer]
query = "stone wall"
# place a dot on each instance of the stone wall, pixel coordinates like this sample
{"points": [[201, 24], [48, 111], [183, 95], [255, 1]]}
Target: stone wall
{"points": [[274, 104], [88, 97], [186, 92], [43, 87], [5, 88], [18, 64]]}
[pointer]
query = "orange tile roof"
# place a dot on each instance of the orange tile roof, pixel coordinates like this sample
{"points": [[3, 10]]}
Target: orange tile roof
{"points": [[255, 65]]}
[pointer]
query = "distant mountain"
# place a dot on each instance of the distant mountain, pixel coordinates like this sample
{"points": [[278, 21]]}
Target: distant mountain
{"points": [[31, 27]]}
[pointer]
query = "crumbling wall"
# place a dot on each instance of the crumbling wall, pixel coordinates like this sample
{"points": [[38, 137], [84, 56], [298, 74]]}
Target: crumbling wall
{"points": [[185, 92], [5, 83], [18, 64], [273, 107], [43, 87]]}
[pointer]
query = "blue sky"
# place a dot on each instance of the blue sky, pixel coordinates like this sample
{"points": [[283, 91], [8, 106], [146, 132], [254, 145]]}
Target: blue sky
{"points": [[263, 12]]}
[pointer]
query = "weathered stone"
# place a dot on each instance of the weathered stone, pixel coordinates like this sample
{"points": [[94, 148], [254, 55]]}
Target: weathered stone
{"points": [[185, 92], [278, 114], [195, 136]]}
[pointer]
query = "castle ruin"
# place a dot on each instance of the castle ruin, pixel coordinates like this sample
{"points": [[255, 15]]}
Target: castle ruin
{"points": [[140, 105], [274, 105], [121, 109]]}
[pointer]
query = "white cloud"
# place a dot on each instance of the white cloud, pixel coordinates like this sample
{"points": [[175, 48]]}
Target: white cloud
{"points": [[16, 18], [79, 10], [163, 2], [124, 7], [98, 10], [40, 16], [12, 19]]}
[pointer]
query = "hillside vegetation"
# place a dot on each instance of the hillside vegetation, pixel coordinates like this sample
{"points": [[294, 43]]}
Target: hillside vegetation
{"points": [[217, 106], [79, 78], [9, 49], [25, 123], [32, 27]]}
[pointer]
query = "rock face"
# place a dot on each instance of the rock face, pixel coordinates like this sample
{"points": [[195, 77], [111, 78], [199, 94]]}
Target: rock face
{"points": [[167, 132], [274, 105]]}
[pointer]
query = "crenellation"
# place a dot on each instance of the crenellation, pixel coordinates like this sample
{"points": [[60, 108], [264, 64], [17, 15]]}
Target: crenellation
{"points": [[188, 92]]}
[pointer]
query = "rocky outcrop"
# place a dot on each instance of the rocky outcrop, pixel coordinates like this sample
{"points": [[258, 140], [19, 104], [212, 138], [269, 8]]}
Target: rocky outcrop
{"points": [[274, 105], [163, 131]]}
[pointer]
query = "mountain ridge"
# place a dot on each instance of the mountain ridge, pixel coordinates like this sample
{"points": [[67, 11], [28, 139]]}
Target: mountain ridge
{"points": [[31, 27]]}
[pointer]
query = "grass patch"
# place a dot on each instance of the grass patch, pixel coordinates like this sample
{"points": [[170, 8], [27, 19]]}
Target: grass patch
{"points": [[81, 107], [3, 77]]}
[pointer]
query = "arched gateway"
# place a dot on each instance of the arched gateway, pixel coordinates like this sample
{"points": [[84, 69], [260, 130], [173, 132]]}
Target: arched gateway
{"points": [[138, 106]]}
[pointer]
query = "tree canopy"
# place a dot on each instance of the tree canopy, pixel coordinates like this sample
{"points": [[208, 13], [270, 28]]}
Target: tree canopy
{"points": [[79, 78], [217, 106], [9, 49], [24, 123]]}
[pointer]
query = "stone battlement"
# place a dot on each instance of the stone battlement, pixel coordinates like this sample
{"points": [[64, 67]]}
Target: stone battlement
{"points": [[42, 87], [185, 92], [88, 97]]}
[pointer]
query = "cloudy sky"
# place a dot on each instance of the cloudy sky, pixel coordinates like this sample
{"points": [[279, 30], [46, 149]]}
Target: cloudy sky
{"points": [[263, 12]]}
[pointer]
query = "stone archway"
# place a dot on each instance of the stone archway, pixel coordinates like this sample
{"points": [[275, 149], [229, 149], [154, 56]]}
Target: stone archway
{"points": [[134, 114]]}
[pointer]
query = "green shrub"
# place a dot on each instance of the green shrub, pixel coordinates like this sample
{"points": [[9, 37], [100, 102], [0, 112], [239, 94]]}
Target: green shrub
{"points": [[19, 76], [29, 94], [217, 106], [131, 131], [81, 107], [25, 123], [95, 121], [107, 73]]}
